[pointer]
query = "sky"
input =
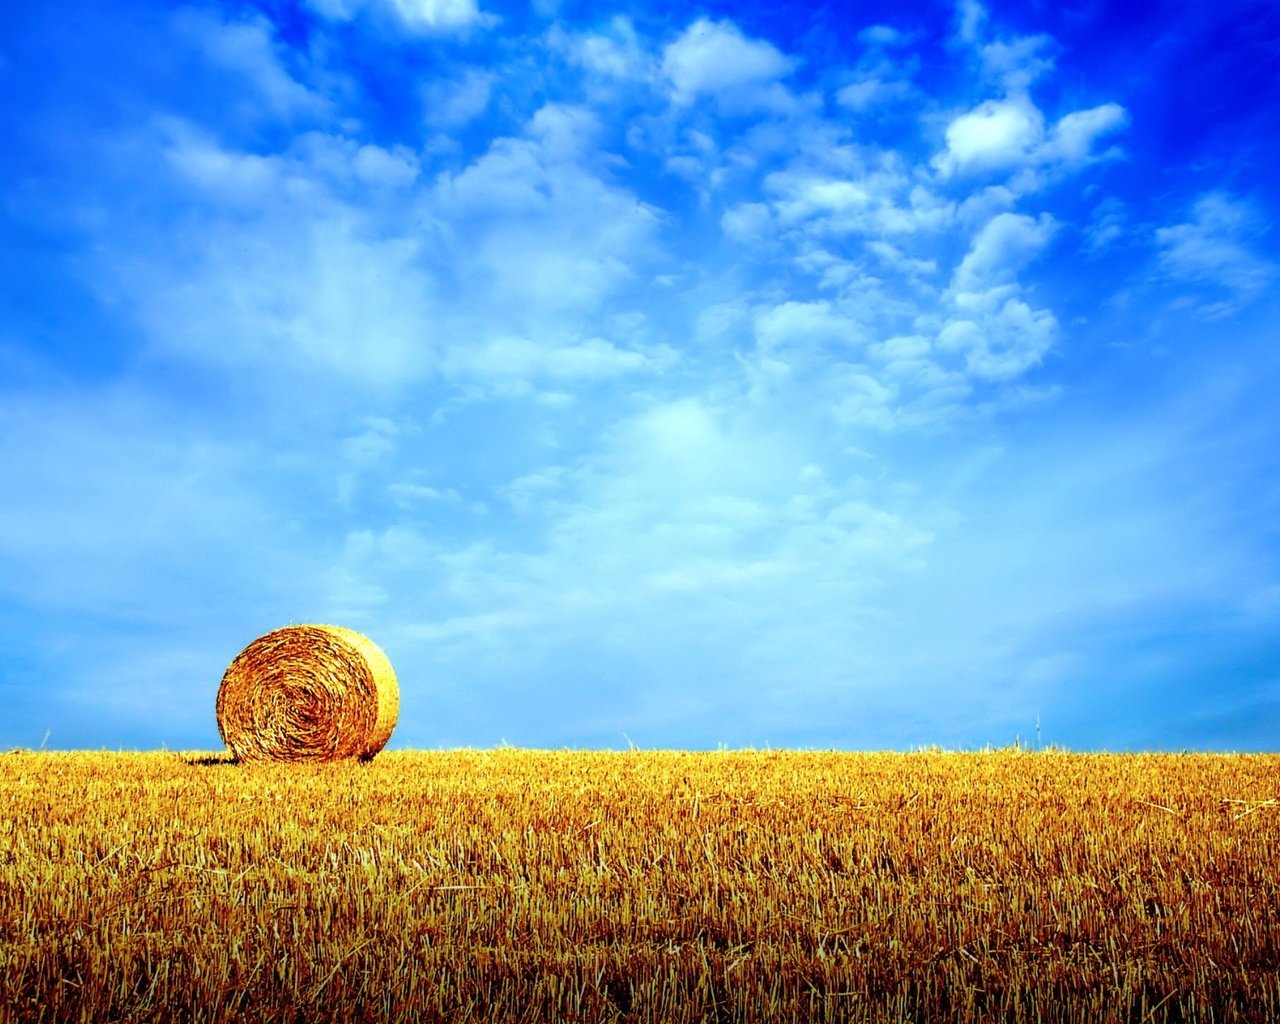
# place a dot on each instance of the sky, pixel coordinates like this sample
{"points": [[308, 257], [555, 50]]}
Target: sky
{"points": [[855, 376]]}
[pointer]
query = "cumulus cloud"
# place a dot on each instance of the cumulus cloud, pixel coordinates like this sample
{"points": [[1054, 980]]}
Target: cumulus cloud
{"points": [[316, 165], [1011, 63], [876, 198], [995, 135], [1009, 134], [999, 337], [797, 331], [1003, 246], [414, 15], [1074, 136], [746, 222], [616, 52], [543, 232], [714, 58]]}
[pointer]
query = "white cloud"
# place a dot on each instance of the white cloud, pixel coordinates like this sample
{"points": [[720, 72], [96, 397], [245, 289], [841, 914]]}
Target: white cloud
{"points": [[970, 19], [514, 365], [880, 78], [797, 331], [876, 200], [452, 103], [902, 349], [1004, 246], [746, 222], [316, 164], [616, 53], [870, 92], [303, 287], [564, 131], [1019, 62], [894, 258], [329, 259], [1214, 249], [1013, 64], [1000, 337], [885, 36], [411, 495], [681, 519], [825, 195], [995, 135], [680, 498], [716, 59], [385, 168], [249, 50], [1107, 225], [244, 179], [437, 14], [540, 232], [427, 16], [1009, 134], [863, 400], [1074, 136]]}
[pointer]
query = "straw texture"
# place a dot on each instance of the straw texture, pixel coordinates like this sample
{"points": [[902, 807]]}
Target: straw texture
{"points": [[308, 693]]}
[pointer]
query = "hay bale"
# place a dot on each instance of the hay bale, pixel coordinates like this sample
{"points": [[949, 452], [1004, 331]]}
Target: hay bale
{"points": [[308, 693]]}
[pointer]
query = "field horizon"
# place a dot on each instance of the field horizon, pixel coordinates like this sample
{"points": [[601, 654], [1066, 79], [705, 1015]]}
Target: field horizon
{"points": [[1017, 746]]}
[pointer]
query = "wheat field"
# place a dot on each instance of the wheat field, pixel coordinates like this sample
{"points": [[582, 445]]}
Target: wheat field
{"points": [[762, 886]]}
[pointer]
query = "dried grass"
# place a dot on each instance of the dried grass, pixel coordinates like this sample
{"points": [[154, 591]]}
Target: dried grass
{"points": [[641, 887], [308, 693]]}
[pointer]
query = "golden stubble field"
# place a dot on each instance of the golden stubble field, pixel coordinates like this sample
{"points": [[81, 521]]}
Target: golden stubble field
{"points": [[513, 885]]}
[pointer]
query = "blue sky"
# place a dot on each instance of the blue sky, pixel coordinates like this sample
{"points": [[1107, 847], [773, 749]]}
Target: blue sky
{"points": [[848, 376]]}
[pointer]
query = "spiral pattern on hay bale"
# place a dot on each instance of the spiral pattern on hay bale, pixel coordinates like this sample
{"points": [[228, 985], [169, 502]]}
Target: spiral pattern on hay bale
{"points": [[308, 693]]}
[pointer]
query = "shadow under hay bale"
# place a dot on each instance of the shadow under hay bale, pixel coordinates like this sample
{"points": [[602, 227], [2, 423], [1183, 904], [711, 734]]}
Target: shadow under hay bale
{"points": [[212, 761], [308, 693]]}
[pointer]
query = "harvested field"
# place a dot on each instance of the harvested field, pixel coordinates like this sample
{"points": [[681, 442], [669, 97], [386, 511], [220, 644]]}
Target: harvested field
{"points": [[513, 885]]}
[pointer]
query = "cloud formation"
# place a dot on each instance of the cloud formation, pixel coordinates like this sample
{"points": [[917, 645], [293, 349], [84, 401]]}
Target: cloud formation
{"points": [[783, 379], [715, 59], [1215, 249], [427, 16]]}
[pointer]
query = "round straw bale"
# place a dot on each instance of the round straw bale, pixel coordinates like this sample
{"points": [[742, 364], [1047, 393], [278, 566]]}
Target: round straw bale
{"points": [[308, 693]]}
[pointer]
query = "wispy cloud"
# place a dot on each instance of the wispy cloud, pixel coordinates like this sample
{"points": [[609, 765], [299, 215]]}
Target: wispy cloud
{"points": [[249, 50], [1216, 250]]}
